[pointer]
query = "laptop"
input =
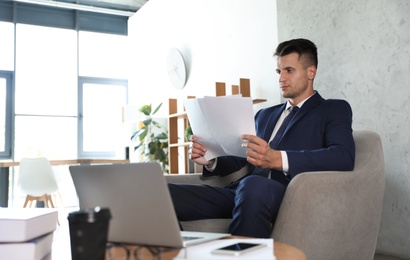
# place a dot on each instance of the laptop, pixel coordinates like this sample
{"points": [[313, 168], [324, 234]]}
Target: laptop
{"points": [[139, 201]]}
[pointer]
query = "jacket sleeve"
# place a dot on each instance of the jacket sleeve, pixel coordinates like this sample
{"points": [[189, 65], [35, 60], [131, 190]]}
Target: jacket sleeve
{"points": [[225, 166], [338, 149]]}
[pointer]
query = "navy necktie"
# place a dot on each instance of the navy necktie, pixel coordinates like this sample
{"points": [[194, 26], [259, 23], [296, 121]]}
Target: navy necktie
{"points": [[274, 143]]}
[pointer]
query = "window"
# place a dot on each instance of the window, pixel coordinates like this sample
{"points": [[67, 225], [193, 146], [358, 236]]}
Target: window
{"points": [[103, 55], [6, 46], [100, 120], [46, 108], [102, 94], [46, 92], [58, 80]]}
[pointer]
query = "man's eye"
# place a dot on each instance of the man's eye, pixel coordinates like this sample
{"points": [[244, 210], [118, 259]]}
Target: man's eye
{"points": [[288, 70], [278, 71]]}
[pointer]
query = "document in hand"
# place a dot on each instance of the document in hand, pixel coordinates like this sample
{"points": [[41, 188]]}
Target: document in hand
{"points": [[219, 123]]}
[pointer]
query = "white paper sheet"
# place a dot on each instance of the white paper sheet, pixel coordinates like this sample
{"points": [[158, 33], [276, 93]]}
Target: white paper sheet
{"points": [[219, 123], [203, 251]]}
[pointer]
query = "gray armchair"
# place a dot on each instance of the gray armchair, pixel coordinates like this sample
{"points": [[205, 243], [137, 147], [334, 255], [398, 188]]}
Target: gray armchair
{"points": [[328, 215]]}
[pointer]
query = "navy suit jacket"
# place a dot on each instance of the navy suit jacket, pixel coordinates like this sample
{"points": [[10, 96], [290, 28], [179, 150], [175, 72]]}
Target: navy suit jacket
{"points": [[318, 138]]}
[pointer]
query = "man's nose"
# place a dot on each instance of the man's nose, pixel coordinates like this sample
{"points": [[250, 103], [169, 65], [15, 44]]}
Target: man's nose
{"points": [[281, 77]]}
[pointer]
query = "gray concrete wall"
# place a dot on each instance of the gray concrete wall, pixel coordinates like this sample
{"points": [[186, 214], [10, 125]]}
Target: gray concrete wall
{"points": [[364, 57]]}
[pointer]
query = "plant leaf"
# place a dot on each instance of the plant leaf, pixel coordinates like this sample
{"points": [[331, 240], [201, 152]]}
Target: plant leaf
{"points": [[146, 109], [155, 123], [143, 134], [138, 132], [156, 110], [147, 121], [188, 133], [161, 155], [138, 146], [164, 145], [161, 136], [152, 148]]}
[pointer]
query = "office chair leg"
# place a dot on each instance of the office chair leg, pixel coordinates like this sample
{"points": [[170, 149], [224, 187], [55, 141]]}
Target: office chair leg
{"points": [[26, 202], [31, 202], [49, 201]]}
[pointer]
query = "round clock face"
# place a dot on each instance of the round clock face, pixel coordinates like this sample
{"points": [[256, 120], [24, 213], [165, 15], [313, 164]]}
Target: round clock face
{"points": [[176, 68]]}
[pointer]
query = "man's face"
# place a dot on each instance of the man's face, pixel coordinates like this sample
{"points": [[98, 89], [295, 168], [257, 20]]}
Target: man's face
{"points": [[294, 78]]}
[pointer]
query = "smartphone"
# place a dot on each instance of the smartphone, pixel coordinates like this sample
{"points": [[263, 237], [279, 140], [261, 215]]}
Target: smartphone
{"points": [[237, 249]]}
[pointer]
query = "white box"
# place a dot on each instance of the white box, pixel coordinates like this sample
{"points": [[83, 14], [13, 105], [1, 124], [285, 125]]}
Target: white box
{"points": [[34, 249], [23, 224]]}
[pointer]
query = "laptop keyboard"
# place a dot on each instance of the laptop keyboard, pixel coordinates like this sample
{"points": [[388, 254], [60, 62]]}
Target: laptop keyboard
{"points": [[187, 238]]}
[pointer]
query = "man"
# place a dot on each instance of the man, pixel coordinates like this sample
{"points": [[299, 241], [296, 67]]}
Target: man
{"points": [[317, 138]]}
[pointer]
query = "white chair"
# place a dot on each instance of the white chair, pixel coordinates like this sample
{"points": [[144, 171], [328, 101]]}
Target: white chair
{"points": [[37, 180]]}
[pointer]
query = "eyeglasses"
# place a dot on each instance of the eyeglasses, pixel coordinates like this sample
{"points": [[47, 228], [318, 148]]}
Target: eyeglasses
{"points": [[122, 251]]}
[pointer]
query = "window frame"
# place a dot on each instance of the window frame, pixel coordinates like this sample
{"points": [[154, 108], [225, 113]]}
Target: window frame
{"points": [[58, 17], [9, 123]]}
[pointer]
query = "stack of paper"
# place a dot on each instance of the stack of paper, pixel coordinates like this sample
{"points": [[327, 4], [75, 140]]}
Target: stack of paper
{"points": [[219, 123], [26, 233]]}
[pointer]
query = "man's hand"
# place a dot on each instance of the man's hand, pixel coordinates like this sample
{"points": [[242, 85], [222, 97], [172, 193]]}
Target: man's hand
{"points": [[260, 154], [196, 152]]}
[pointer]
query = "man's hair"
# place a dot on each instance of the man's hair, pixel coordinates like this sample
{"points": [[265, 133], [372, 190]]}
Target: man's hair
{"points": [[306, 49]]}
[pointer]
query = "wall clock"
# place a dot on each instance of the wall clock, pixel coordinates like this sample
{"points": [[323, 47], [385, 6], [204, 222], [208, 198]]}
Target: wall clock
{"points": [[176, 68]]}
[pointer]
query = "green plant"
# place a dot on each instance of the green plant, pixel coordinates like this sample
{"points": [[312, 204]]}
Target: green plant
{"points": [[152, 138], [188, 133]]}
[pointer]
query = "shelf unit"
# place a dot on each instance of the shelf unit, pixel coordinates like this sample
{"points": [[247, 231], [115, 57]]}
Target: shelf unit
{"points": [[244, 88], [177, 147], [176, 141]]}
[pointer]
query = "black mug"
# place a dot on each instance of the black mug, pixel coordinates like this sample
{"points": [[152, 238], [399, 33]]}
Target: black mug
{"points": [[88, 233]]}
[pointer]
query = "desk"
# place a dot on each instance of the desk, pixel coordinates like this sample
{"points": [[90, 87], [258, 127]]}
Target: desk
{"points": [[62, 250], [5, 165], [282, 252]]}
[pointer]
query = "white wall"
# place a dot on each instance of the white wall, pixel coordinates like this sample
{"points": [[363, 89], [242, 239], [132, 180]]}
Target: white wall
{"points": [[364, 57], [221, 41]]}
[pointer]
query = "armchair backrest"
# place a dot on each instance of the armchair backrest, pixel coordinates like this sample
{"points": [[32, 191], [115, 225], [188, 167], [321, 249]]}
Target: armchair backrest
{"points": [[336, 215]]}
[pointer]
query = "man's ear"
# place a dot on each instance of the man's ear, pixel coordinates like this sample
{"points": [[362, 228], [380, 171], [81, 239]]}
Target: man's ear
{"points": [[312, 72]]}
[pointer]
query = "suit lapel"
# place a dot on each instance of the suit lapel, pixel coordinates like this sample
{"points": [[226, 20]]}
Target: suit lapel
{"points": [[272, 120], [310, 104]]}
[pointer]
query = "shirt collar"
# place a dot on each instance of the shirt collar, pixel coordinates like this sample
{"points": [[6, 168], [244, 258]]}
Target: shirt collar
{"points": [[288, 105]]}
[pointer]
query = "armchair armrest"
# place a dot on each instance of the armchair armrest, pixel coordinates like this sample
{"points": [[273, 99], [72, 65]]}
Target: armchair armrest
{"points": [[197, 178]]}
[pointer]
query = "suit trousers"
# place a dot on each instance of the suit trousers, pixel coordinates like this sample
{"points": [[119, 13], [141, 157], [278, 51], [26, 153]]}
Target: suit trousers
{"points": [[252, 202]]}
